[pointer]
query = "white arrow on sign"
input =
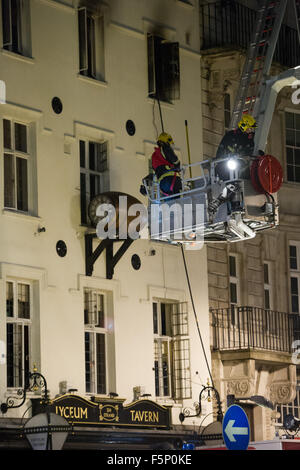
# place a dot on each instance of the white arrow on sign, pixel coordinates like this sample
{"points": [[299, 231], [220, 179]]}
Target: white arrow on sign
{"points": [[230, 431]]}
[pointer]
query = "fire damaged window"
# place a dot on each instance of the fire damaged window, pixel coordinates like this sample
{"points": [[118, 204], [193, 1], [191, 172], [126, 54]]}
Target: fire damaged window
{"points": [[91, 43], [163, 69], [16, 26]]}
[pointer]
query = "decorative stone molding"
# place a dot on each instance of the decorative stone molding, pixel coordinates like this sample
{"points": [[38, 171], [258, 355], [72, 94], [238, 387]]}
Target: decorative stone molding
{"points": [[282, 392], [240, 388]]}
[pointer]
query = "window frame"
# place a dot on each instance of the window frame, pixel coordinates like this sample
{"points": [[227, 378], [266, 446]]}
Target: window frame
{"points": [[160, 339], [19, 323], [268, 285], [91, 43], [294, 273], [173, 333], [234, 281], [93, 332], [158, 51], [22, 46], [16, 155], [86, 173], [293, 148]]}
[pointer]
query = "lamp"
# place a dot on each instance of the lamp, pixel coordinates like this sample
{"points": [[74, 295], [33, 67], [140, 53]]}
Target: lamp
{"points": [[33, 382]]}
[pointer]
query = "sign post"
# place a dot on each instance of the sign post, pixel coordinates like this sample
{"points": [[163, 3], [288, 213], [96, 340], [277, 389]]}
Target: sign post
{"points": [[236, 429]]}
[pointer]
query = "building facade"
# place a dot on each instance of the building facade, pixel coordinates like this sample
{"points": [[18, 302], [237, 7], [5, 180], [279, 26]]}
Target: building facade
{"points": [[81, 117], [253, 286]]}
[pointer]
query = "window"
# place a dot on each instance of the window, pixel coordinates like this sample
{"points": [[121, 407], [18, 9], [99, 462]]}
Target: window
{"points": [[292, 140], [227, 110], [94, 178], [294, 263], [91, 43], [16, 26], [292, 408], [18, 330], [16, 156], [171, 350], [268, 291], [234, 294], [95, 321], [163, 69]]}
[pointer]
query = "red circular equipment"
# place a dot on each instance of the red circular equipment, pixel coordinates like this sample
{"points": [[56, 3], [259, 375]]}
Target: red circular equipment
{"points": [[266, 174]]}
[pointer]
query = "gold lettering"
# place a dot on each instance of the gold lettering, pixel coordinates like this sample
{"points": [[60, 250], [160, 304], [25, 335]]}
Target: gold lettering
{"points": [[132, 415], [65, 414], [146, 415], [84, 413], [155, 416]]}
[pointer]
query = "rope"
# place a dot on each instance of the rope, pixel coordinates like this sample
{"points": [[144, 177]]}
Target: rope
{"points": [[198, 328]]}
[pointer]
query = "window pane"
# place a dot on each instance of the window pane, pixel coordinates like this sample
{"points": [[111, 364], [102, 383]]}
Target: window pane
{"points": [[22, 184], [289, 120], [7, 134], [23, 301], [297, 156], [294, 285], [293, 257], [88, 362], [266, 273], [101, 366], [290, 155], [100, 311], [82, 153], [9, 299], [267, 299], [298, 138], [154, 309], [290, 173], [165, 368], [297, 174], [297, 121], [290, 137], [21, 137], [10, 354], [9, 181], [95, 185], [232, 266], [233, 293], [83, 198], [295, 304], [163, 319]]}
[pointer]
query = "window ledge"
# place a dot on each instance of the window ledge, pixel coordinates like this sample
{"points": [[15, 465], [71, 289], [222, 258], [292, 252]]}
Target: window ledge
{"points": [[163, 104], [185, 4], [21, 215], [94, 81], [21, 58]]}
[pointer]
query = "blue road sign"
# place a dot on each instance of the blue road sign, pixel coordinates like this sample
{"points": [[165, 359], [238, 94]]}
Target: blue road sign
{"points": [[235, 428]]}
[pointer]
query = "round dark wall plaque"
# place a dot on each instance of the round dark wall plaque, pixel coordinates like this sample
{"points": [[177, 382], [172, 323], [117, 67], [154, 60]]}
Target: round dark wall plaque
{"points": [[136, 262], [130, 127], [57, 105], [61, 248]]}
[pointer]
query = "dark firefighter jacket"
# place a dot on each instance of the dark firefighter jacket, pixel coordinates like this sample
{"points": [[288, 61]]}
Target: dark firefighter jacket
{"points": [[236, 142]]}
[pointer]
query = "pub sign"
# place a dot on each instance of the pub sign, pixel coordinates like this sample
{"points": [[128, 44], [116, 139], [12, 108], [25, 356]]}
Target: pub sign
{"points": [[79, 411]]}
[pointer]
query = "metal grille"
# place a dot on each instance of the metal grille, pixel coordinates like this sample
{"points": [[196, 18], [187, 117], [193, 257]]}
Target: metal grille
{"points": [[251, 327], [232, 25]]}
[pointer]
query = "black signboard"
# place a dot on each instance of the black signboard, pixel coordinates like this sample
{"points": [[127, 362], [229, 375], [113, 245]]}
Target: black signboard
{"points": [[79, 411]]}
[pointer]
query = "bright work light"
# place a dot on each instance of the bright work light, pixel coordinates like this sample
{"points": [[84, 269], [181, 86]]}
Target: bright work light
{"points": [[232, 164]]}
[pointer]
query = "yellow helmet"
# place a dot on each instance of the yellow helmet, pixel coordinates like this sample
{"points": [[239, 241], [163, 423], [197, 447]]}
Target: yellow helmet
{"points": [[166, 138], [247, 122]]}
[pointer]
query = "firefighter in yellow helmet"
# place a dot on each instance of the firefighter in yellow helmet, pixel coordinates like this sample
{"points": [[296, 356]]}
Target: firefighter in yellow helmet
{"points": [[166, 165], [238, 141]]}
